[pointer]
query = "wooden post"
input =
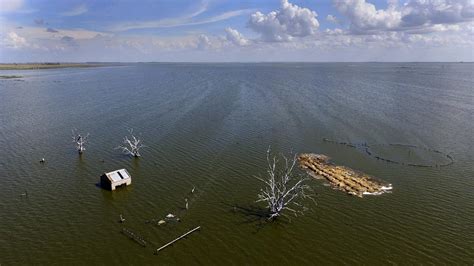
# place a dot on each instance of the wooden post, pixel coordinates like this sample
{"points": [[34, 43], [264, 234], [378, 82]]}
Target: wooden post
{"points": [[170, 243]]}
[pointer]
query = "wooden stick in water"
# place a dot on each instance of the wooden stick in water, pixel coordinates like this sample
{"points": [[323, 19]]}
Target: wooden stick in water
{"points": [[170, 243]]}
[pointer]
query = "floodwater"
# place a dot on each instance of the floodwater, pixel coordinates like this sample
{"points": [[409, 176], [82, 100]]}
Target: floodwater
{"points": [[208, 126]]}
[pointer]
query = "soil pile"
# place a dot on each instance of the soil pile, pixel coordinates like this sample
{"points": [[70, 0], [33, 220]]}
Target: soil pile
{"points": [[341, 177]]}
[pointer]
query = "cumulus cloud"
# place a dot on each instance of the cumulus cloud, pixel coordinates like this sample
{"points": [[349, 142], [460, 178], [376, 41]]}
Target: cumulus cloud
{"points": [[417, 15], [285, 24], [332, 19], [78, 10], [235, 37], [365, 17], [13, 40], [336, 31], [203, 42], [419, 12]]}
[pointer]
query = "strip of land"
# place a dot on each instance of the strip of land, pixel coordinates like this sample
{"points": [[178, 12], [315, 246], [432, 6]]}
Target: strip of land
{"points": [[10, 77], [341, 177], [29, 66]]}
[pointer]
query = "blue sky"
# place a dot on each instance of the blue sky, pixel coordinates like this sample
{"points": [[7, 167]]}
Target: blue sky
{"points": [[219, 30]]}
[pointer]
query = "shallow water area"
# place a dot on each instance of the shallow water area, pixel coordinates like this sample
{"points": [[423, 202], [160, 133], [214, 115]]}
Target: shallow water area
{"points": [[208, 126]]}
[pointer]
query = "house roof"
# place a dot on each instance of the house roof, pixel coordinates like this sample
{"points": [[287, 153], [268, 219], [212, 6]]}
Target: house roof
{"points": [[118, 175]]}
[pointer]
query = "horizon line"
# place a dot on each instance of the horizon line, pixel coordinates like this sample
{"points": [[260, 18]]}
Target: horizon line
{"points": [[219, 62]]}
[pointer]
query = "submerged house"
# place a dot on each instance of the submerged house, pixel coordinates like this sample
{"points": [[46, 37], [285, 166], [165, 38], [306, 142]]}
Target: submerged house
{"points": [[116, 178]]}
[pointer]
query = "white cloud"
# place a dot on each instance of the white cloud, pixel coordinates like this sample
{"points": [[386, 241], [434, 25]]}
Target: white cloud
{"points": [[201, 9], [414, 15], [285, 24], [365, 17], [203, 42], [161, 23], [56, 33], [419, 12], [332, 19], [185, 20], [235, 37], [79, 10], [13, 40], [328, 45], [336, 31], [10, 5], [288, 33]]}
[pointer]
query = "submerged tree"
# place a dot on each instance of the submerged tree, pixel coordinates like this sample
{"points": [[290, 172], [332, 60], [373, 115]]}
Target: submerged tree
{"points": [[131, 145], [283, 190], [80, 141]]}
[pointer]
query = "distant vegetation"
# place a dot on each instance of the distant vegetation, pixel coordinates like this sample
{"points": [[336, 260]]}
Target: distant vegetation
{"points": [[10, 77], [26, 66]]}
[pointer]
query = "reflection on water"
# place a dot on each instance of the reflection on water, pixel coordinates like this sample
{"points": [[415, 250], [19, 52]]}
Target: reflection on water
{"points": [[208, 126]]}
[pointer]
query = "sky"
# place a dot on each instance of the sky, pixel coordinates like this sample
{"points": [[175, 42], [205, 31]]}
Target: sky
{"points": [[236, 31]]}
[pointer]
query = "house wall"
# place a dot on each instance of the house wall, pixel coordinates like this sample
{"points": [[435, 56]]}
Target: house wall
{"points": [[105, 183], [119, 183]]}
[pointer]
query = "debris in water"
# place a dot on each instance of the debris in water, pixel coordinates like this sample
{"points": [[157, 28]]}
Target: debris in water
{"points": [[447, 160], [42, 160], [134, 236], [160, 222], [341, 177], [122, 220], [181, 237], [170, 216]]}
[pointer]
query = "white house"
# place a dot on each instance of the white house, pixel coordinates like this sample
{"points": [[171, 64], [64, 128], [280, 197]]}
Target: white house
{"points": [[116, 178]]}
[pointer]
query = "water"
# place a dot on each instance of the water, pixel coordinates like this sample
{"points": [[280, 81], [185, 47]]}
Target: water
{"points": [[208, 126]]}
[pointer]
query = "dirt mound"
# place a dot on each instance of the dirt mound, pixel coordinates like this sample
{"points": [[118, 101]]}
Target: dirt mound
{"points": [[341, 177]]}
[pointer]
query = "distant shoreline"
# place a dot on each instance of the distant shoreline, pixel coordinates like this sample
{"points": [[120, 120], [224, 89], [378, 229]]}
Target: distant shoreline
{"points": [[32, 66]]}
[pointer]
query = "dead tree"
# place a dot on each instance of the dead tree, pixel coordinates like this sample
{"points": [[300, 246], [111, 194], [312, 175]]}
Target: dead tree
{"points": [[80, 141], [131, 145], [283, 190]]}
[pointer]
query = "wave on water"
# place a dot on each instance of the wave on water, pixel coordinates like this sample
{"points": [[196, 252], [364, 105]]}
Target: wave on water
{"points": [[383, 189]]}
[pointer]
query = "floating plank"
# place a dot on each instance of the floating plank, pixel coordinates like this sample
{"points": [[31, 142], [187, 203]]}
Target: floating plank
{"points": [[181, 237]]}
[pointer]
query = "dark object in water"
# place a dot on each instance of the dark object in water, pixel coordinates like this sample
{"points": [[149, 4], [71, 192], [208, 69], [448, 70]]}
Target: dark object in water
{"points": [[368, 151], [134, 237]]}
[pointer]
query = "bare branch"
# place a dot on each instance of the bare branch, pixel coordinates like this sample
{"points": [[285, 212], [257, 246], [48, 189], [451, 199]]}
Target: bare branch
{"points": [[132, 146], [282, 188], [79, 140]]}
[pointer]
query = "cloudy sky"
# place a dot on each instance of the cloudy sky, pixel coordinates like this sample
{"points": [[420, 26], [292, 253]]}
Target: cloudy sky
{"points": [[231, 30]]}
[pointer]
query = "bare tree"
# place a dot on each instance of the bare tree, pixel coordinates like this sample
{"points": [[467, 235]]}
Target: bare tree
{"points": [[283, 190], [79, 140], [131, 145]]}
